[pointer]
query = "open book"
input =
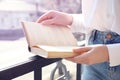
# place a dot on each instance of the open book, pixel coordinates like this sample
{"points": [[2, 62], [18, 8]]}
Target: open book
{"points": [[50, 41]]}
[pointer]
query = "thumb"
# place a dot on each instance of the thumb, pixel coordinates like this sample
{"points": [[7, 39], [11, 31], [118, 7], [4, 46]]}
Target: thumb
{"points": [[81, 50]]}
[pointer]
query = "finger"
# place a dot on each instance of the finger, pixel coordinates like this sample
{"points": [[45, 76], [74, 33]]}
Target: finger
{"points": [[45, 16], [81, 50], [76, 60], [48, 22], [70, 59], [42, 18], [81, 59]]}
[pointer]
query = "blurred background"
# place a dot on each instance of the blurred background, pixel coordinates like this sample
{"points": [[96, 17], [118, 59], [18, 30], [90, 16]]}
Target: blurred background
{"points": [[12, 12]]}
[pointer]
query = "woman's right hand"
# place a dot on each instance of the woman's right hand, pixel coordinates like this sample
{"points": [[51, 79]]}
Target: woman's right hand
{"points": [[55, 18]]}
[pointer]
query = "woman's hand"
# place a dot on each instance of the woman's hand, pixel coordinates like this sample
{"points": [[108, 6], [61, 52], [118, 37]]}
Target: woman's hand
{"points": [[91, 55], [55, 18]]}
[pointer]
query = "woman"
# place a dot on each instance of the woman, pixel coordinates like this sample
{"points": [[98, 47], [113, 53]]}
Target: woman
{"points": [[100, 21]]}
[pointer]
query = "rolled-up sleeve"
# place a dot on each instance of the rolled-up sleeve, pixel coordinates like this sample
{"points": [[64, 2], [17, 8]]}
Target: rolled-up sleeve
{"points": [[114, 54], [78, 23]]}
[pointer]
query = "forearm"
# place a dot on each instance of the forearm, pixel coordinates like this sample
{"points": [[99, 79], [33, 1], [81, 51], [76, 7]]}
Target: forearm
{"points": [[78, 23]]}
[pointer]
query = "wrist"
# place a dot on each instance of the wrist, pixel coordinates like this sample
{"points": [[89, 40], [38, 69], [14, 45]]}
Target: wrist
{"points": [[104, 50], [70, 18]]}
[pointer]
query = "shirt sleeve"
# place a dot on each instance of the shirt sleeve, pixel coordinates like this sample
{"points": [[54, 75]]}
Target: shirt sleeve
{"points": [[114, 54], [78, 23]]}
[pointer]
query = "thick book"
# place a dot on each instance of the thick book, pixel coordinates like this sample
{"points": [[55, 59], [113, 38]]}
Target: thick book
{"points": [[49, 41]]}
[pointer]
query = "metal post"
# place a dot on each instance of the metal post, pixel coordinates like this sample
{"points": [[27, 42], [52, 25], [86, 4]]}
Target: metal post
{"points": [[38, 74], [78, 72]]}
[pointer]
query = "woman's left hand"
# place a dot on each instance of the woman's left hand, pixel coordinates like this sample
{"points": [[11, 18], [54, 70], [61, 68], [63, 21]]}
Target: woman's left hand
{"points": [[90, 55]]}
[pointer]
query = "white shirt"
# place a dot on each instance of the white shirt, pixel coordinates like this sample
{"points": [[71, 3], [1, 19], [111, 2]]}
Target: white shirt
{"points": [[102, 15]]}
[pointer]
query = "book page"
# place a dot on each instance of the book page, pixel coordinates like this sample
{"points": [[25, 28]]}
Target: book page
{"points": [[38, 34], [56, 48], [54, 52]]}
